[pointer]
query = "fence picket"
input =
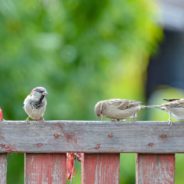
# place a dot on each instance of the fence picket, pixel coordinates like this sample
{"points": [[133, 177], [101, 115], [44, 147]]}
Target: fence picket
{"points": [[3, 168], [45, 168], [155, 169], [100, 169]]}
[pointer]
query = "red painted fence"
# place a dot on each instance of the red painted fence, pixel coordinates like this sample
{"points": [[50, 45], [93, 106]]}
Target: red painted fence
{"points": [[102, 142]]}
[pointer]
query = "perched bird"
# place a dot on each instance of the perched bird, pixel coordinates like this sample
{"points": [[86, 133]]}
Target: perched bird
{"points": [[117, 109], [175, 108], [35, 103]]}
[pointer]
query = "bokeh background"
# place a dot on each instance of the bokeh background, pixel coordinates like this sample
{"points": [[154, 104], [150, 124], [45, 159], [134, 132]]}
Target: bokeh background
{"points": [[87, 50]]}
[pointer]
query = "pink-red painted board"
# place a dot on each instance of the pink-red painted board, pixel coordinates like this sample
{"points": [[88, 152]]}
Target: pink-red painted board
{"points": [[100, 168], [155, 169], [3, 168], [45, 169]]}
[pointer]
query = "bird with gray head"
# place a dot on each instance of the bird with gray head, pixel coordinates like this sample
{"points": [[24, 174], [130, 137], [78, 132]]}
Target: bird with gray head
{"points": [[35, 103], [174, 107], [118, 109]]}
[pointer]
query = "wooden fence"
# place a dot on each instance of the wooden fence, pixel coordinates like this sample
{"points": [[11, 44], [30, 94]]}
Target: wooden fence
{"points": [[46, 144]]}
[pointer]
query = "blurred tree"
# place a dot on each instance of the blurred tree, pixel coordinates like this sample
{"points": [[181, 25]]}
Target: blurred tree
{"points": [[79, 50]]}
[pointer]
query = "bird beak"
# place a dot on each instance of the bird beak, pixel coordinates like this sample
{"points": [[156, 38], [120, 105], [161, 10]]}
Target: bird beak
{"points": [[45, 93]]}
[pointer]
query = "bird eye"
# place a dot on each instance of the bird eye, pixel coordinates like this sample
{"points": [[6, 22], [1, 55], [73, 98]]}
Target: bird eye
{"points": [[39, 90]]}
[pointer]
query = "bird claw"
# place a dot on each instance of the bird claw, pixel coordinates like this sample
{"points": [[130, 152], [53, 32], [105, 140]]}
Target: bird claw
{"points": [[170, 123], [27, 119], [132, 120], [115, 120]]}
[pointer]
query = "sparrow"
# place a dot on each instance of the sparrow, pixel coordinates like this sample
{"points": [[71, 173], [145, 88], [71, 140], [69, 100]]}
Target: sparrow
{"points": [[175, 108], [117, 109], [35, 103]]}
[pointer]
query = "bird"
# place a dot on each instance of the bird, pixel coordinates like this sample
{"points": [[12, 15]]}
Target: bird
{"points": [[117, 109], [174, 107], [35, 103]]}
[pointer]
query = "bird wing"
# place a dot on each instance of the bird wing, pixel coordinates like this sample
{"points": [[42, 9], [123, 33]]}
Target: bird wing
{"points": [[123, 104], [177, 103], [25, 100], [170, 99]]}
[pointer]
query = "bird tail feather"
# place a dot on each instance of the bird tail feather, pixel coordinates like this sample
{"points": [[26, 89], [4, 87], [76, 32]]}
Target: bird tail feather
{"points": [[153, 106]]}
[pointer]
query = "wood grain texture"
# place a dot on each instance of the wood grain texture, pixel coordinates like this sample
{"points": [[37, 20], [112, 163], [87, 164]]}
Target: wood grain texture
{"points": [[91, 137], [100, 169], [3, 168], [45, 169], [155, 169]]}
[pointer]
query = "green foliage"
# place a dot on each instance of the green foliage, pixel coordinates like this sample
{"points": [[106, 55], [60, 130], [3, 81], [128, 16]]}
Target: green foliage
{"points": [[81, 51], [15, 176], [68, 46]]}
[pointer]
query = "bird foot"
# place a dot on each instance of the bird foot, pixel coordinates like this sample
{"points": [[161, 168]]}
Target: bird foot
{"points": [[170, 123], [132, 120], [27, 119], [115, 120]]}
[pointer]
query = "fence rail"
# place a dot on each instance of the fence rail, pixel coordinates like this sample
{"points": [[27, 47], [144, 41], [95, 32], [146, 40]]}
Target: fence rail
{"points": [[46, 144], [91, 137]]}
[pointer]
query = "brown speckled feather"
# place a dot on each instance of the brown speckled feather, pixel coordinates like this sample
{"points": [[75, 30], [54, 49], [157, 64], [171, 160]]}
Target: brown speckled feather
{"points": [[177, 103], [123, 104]]}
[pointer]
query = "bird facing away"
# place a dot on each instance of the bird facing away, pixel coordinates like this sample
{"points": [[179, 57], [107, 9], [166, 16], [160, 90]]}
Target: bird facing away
{"points": [[35, 103], [175, 108], [117, 109]]}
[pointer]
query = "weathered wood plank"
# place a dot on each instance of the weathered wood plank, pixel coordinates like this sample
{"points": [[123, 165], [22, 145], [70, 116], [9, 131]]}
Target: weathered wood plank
{"points": [[45, 169], [100, 169], [155, 169], [3, 168], [91, 137]]}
